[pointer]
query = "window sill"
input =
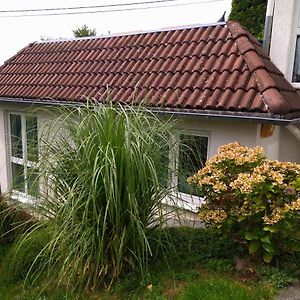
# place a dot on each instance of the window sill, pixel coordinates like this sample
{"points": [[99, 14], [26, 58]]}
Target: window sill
{"points": [[22, 197], [296, 85], [184, 201]]}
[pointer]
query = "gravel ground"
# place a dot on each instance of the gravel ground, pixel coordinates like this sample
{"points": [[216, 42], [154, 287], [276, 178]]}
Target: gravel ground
{"points": [[291, 293]]}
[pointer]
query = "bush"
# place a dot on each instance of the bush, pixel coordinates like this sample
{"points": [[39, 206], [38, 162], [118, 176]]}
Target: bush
{"points": [[277, 278], [251, 14], [252, 199], [103, 169], [24, 255], [14, 220], [194, 245]]}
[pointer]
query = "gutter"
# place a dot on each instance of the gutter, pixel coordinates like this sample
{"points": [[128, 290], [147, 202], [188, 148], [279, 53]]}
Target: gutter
{"points": [[268, 25], [180, 113], [224, 115]]}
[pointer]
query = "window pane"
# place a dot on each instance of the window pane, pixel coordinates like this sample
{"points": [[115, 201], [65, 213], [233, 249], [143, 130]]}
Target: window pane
{"points": [[32, 182], [192, 157], [32, 138], [16, 136], [18, 177], [296, 70]]}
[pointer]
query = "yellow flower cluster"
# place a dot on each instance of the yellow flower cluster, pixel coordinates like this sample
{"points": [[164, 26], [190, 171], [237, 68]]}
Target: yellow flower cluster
{"points": [[209, 176], [275, 217], [239, 154], [284, 166], [212, 175], [273, 171], [278, 212], [246, 181], [295, 205], [216, 216]]}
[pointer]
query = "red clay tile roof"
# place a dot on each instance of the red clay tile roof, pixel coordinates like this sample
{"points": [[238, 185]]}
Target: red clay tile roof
{"points": [[218, 68]]}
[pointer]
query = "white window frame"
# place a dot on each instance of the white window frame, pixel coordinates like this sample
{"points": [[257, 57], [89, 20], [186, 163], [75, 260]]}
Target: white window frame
{"points": [[294, 83], [295, 34], [18, 195], [183, 200]]}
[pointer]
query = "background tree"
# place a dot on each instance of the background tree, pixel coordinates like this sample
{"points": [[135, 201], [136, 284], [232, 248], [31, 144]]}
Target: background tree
{"points": [[251, 14], [84, 31]]}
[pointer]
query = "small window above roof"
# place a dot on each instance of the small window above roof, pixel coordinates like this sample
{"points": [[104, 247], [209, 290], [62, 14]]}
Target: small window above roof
{"points": [[296, 68]]}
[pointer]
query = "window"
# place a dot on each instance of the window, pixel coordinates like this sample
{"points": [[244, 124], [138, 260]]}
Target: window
{"points": [[193, 151], [296, 69], [23, 138]]}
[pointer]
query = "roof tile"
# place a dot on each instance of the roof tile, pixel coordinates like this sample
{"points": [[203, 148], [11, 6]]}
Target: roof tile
{"points": [[220, 67]]}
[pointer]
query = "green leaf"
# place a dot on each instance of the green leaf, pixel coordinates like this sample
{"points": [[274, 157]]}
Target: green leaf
{"points": [[267, 257], [295, 247], [254, 247], [241, 218], [269, 228], [266, 239], [268, 247], [249, 236]]}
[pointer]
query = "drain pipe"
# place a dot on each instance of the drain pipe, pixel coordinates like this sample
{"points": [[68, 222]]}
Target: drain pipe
{"points": [[295, 131], [268, 25]]}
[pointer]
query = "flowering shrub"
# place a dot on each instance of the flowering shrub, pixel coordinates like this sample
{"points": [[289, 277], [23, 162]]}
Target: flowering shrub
{"points": [[252, 199]]}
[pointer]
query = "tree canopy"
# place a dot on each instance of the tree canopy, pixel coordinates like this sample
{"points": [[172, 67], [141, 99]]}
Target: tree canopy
{"points": [[84, 31], [251, 14]]}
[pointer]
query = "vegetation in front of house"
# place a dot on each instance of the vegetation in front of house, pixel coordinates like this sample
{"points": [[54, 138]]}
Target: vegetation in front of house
{"points": [[252, 200], [99, 228], [201, 263], [14, 220], [104, 171], [251, 14]]}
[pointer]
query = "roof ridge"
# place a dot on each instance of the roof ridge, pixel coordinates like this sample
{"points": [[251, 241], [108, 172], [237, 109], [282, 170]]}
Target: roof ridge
{"points": [[258, 69], [135, 32]]}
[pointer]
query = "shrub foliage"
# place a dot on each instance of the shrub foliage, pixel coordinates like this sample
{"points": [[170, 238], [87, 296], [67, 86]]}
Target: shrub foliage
{"points": [[251, 14], [103, 170], [252, 199], [14, 220]]}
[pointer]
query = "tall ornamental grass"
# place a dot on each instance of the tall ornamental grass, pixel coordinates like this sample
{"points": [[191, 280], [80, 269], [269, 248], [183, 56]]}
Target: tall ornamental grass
{"points": [[103, 172]]}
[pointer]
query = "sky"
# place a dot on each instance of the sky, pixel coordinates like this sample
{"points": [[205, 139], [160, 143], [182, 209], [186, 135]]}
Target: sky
{"points": [[17, 32]]}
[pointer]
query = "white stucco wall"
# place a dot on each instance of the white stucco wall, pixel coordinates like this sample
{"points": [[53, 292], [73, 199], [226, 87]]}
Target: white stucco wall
{"points": [[289, 146], [286, 27], [283, 37], [222, 132], [281, 145], [270, 144]]}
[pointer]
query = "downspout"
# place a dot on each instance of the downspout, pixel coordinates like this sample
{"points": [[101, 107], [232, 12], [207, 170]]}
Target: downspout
{"points": [[268, 25], [295, 131]]}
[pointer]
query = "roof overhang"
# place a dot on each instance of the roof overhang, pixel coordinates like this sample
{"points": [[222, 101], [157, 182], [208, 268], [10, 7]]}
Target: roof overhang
{"points": [[181, 113]]}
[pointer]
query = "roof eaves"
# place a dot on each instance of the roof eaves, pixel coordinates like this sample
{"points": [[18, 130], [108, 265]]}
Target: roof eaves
{"points": [[226, 115], [204, 114]]}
